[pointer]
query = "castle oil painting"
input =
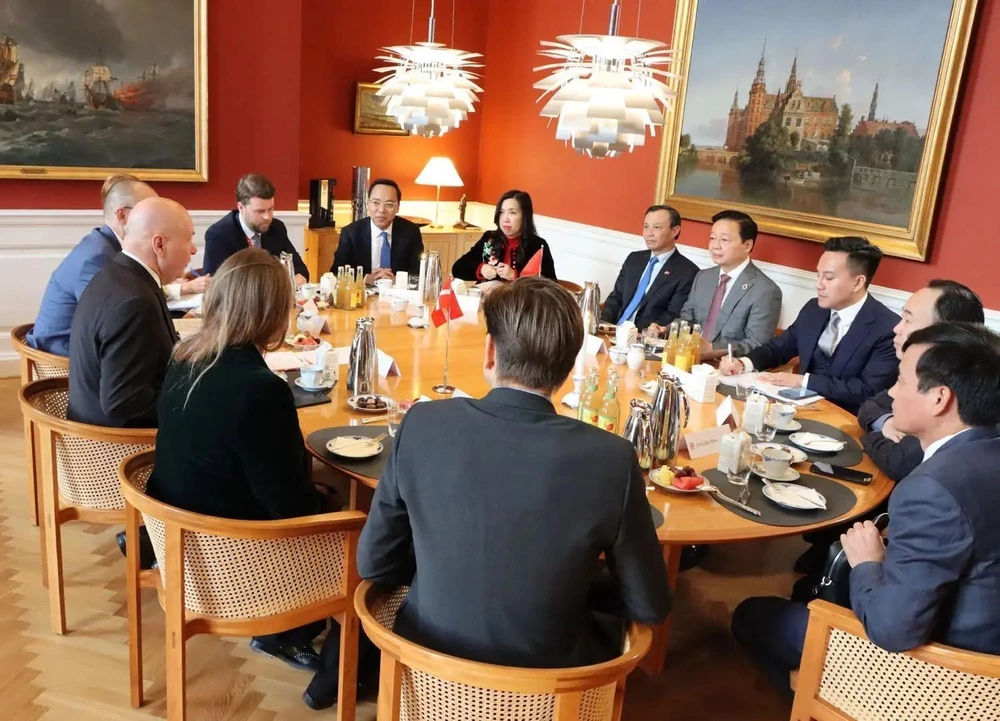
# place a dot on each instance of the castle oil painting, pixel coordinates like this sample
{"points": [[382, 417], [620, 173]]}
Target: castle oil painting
{"points": [[88, 87], [829, 118]]}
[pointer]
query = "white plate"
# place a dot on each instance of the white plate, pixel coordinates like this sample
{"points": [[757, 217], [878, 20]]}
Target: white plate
{"points": [[789, 499], [353, 403], [354, 447], [816, 442], [790, 475], [790, 428], [797, 455], [654, 476], [322, 387]]}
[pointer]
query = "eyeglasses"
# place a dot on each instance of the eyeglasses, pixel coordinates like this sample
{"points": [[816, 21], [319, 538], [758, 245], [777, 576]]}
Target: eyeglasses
{"points": [[391, 205]]}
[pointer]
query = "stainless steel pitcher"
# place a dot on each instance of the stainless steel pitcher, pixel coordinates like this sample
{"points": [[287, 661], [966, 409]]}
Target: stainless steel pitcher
{"points": [[433, 279], [638, 431], [590, 306], [362, 372], [288, 263], [666, 420]]}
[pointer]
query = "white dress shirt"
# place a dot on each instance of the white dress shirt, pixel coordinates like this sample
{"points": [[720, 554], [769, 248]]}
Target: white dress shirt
{"points": [[246, 229], [377, 244], [149, 270], [936, 445], [733, 275]]}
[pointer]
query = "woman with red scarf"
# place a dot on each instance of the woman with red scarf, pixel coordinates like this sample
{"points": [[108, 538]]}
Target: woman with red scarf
{"points": [[501, 254]]}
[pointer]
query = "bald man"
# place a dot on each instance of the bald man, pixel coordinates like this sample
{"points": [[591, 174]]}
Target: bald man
{"points": [[122, 334]]}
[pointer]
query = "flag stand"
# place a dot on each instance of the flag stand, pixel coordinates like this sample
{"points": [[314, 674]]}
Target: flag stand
{"points": [[444, 388]]}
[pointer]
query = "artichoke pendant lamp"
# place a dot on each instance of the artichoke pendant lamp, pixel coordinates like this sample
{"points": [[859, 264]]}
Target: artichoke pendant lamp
{"points": [[606, 90], [428, 87]]}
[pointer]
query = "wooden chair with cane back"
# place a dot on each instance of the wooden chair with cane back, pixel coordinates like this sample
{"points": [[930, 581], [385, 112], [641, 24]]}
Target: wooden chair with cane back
{"points": [[417, 684], [844, 676], [35, 365], [227, 577], [79, 475]]}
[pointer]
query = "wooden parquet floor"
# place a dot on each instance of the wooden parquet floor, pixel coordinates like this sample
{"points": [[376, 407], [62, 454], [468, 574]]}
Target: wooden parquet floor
{"points": [[83, 676]]}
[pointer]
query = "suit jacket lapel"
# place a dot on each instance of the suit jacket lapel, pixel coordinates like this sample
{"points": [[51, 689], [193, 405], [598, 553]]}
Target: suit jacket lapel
{"points": [[850, 343], [741, 286], [810, 337], [365, 245], [148, 281], [660, 280]]}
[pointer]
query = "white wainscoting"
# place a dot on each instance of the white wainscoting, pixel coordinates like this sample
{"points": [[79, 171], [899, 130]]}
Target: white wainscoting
{"points": [[33, 242]]}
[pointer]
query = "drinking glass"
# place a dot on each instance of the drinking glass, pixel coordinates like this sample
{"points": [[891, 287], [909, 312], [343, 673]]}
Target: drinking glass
{"points": [[769, 428], [744, 384], [649, 344], [740, 479], [397, 411]]}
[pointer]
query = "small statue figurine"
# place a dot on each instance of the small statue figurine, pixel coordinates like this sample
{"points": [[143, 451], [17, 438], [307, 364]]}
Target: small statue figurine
{"points": [[461, 224]]}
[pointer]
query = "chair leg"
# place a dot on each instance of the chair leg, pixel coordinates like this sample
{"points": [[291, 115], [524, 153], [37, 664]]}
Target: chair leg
{"points": [[616, 710], [31, 463], [176, 657], [390, 683], [134, 604], [347, 693], [52, 536]]}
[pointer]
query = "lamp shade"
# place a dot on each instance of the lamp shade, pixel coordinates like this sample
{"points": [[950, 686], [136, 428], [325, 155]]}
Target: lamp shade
{"points": [[441, 172]]}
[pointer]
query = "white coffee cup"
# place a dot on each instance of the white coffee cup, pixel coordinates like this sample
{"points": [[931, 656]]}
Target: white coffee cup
{"points": [[311, 378], [783, 414], [776, 462], [383, 284], [400, 304]]}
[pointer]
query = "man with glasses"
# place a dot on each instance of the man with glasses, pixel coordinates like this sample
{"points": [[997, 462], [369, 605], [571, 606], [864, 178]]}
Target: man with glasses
{"points": [[251, 225], [383, 244]]}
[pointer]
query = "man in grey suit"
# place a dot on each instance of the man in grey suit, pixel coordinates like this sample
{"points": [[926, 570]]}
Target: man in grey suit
{"points": [[733, 301], [939, 577]]}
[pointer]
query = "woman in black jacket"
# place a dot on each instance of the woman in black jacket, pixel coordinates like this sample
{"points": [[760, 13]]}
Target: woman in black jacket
{"points": [[501, 254]]}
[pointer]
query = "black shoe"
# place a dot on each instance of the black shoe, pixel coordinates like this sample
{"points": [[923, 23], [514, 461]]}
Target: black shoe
{"points": [[692, 556], [303, 658], [367, 689], [318, 704], [147, 558], [813, 560]]}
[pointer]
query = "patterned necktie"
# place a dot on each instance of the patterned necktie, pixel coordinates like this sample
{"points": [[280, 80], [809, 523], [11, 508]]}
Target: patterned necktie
{"points": [[831, 334], [255, 240], [640, 291], [384, 258], [713, 310]]}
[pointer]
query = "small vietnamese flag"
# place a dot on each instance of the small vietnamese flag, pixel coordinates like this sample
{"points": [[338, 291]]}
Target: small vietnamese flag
{"points": [[534, 266], [447, 302]]}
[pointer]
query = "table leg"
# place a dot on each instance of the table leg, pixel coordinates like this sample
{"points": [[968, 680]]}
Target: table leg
{"points": [[654, 660]]}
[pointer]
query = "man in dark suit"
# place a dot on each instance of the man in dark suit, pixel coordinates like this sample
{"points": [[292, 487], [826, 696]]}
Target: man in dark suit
{"points": [[251, 225], [843, 338], [122, 334], [119, 195], [938, 579], [653, 284], [383, 244], [464, 531], [733, 301]]}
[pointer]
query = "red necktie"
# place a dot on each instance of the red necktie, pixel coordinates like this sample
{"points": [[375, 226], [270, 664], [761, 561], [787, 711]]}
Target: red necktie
{"points": [[713, 311]]}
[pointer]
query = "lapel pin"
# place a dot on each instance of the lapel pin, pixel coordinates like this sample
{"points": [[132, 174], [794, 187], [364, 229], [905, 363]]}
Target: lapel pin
{"points": [[745, 286], [666, 272]]}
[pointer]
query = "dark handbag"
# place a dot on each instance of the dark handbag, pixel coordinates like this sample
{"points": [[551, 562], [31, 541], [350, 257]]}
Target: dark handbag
{"points": [[835, 586]]}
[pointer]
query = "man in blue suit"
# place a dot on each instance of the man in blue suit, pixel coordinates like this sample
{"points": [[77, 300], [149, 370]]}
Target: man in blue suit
{"points": [[843, 338], [119, 195], [939, 577]]}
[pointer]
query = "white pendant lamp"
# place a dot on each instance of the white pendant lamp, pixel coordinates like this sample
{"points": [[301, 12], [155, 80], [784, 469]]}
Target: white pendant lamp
{"points": [[606, 90], [428, 87]]}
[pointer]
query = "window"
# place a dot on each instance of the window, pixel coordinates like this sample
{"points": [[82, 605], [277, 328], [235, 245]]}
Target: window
{"points": [[798, 122], [788, 122]]}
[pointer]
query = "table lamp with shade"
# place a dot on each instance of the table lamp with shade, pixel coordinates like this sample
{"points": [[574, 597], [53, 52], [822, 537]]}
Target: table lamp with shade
{"points": [[439, 172]]}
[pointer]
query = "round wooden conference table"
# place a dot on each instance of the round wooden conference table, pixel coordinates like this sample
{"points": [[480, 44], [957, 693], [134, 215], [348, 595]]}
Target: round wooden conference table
{"points": [[688, 518]]}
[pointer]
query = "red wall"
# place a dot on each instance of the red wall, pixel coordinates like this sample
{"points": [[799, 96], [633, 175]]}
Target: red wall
{"points": [[253, 119], [522, 152], [339, 44]]}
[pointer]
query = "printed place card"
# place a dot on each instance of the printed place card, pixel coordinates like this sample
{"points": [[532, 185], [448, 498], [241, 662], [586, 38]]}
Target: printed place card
{"points": [[704, 443]]}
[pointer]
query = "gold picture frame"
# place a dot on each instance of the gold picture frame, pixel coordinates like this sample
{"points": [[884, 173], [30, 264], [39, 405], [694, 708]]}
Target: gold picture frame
{"points": [[369, 113], [145, 104], [909, 240]]}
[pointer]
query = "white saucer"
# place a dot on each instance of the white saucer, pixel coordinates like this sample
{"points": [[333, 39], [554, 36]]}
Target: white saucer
{"points": [[654, 476], [817, 443], [787, 497], [790, 475], [790, 428], [354, 447], [797, 455], [324, 387]]}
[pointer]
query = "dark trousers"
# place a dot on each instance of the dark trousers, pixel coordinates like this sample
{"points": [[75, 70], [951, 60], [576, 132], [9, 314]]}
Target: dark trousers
{"points": [[301, 636], [773, 630], [325, 682]]}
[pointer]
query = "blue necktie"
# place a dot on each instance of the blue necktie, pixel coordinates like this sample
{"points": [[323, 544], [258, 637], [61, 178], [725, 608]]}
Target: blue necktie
{"points": [[640, 292], [384, 260]]}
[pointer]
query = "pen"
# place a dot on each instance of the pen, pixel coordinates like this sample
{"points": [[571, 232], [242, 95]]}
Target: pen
{"points": [[729, 350]]}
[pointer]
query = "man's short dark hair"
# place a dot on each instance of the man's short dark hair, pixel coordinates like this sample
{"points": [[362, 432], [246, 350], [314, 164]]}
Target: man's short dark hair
{"points": [[747, 225], [965, 358], [956, 303], [253, 185], [537, 329], [675, 217], [390, 183], [862, 257]]}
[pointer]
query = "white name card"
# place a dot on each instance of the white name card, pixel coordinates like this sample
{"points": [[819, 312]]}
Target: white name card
{"points": [[704, 443], [315, 324], [387, 365], [726, 411], [593, 345]]}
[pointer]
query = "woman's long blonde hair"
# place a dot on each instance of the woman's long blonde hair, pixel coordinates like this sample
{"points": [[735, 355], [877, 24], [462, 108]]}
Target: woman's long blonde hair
{"points": [[248, 302]]}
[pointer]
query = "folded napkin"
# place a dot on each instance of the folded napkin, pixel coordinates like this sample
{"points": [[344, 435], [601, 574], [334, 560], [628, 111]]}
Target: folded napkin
{"points": [[799, 496], [819, 442]]}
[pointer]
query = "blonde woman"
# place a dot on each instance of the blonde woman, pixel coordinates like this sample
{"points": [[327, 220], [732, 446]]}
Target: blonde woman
{"points": [[229, 443]]}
